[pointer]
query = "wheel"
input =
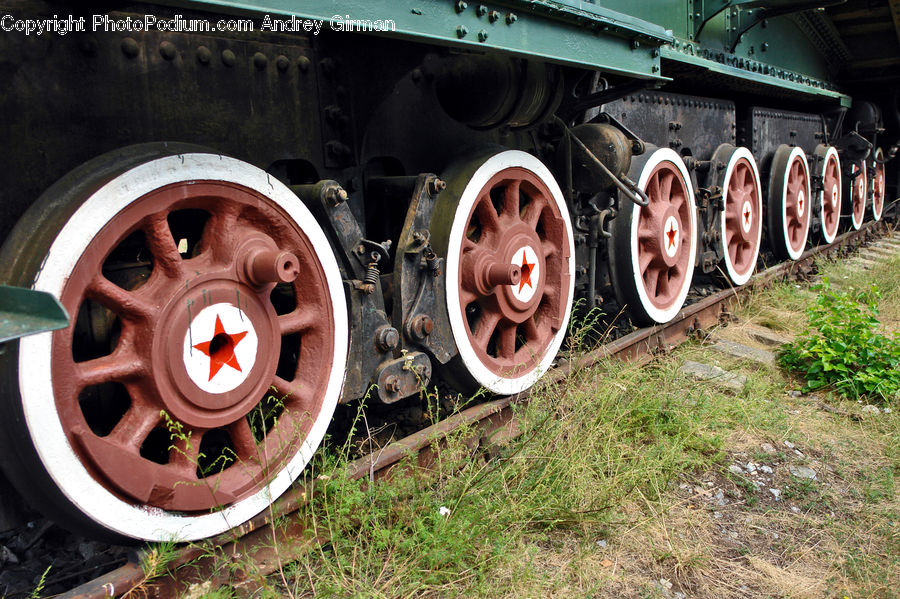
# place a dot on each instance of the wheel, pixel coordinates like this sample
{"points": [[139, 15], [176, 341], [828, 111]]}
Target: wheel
{"points": [[789, 207], [653, 249], [740, 231], [830, 196], [206, 353], [505, 231], [878, 186], [857, 188]]}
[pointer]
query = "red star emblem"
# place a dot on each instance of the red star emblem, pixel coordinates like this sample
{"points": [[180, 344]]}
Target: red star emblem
{"points": [[220, 349], [671, 233], [526, 272], [747, 217]]}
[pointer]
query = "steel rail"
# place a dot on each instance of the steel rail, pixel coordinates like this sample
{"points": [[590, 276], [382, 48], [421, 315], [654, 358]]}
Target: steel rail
{"points": [[261, 543]]}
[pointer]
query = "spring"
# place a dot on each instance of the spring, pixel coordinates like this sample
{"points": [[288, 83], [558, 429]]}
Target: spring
{"points": [[372, 274]]}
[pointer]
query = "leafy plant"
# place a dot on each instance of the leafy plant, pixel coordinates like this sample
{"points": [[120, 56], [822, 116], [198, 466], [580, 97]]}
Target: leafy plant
{"points": [[841, 346]]}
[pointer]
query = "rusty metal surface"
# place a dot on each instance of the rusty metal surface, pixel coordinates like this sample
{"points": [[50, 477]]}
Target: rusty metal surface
{"points": [[490, 419]]}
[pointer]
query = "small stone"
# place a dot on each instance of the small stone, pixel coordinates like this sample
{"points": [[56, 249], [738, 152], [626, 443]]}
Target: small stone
{"points": [[678, 595], [751, 467], [776, 493], [765, 469], [774, 535], [720, 498], [714, 374], [665, 583], [886, 410], [798, 453], [735, 469], [601, 544], [684, 486], [870, 409], [708, 483], [795, 509], [789, 445], [802, 472], [767, 448], [733, 534], [794, 393], [717, 515], [7, 556]]}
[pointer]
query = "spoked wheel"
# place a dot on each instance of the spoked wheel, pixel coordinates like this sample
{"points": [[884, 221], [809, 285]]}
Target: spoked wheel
{"points": [[789, 206], [858, 190], [830, 196], [878, 186], [505, 230], [653, 249], [740, 224], [206, 352]]}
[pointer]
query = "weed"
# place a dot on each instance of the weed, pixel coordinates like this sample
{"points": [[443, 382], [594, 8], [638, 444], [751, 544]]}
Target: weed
{"points": [[841, 346], [39, 587]]}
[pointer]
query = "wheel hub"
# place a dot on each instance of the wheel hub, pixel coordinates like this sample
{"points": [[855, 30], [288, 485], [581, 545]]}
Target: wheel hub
{"points": [[671, 238], [522, 293]]}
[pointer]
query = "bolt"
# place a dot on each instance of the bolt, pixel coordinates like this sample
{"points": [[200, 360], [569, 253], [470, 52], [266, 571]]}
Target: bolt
{"points": [[260, 61], [168, 50], [204, 55], [392, 384], [493, 16], [461, 6], [335, 195], [481, 10], [387, 338], [511, 18], [228, 58], [282, 63], [130, 47], [462, 31], [635, 44], [482, 36], [303, 63], [436, 186], [421, 326]]}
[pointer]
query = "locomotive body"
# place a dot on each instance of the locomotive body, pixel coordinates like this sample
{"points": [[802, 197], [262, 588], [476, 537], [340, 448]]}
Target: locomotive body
{"points": [[254, 211]]}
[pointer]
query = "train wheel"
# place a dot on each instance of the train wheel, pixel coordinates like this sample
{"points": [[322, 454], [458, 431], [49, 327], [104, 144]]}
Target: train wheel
{"points": [[653, 248], [206, 352], [741, 225], [878, 186], [830, 196], [789, 202], [505, 230], [858, 192]]}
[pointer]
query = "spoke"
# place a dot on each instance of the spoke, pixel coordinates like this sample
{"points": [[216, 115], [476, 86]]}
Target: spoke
{"points": [[468, 245], [549, 249], [117, 367], [245, 444], [506, 341], [645, 259], [291, 392], [162, 246], [534, 210], [532, 330], [135, 425], [511, 199], [298, 321], [485, 327], [220, 229], [651, 278], [184, 455], [665, 186], [124, 303], [487, 215], [653, 188]]}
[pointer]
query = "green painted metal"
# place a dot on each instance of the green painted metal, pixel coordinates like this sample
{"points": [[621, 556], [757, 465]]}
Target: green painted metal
{"points": [[25, 312], [556, 31]]}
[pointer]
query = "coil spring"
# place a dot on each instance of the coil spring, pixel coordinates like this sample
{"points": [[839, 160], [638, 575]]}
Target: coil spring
{"points": [[372, 274]]}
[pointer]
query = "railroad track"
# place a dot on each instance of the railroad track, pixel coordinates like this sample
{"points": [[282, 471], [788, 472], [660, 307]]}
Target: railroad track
{"points": [[492, 421]]}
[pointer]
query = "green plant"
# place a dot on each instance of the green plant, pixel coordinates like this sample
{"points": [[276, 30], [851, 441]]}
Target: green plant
{"points": [[841, 346]]}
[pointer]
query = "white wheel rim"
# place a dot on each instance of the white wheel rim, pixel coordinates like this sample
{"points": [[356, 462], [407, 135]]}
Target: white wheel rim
{"points": [[860, 185], [742, 152], [54, 450], [796, 152], [473, 364], [878, 191], [828, 195], [657, 314]]}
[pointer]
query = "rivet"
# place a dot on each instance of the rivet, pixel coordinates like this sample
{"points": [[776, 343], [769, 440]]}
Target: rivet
{"points": [[511, 18], [260, 61], [168, 50], [282, 63], [228, 58], [204, 55], [303, 63], [481, 10], [482, 35], [493, 16], [130, 47], [461, 6], [462, 31]]}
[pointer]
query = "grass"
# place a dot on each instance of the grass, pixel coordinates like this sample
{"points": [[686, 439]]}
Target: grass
{"points": [[619, 485]]}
